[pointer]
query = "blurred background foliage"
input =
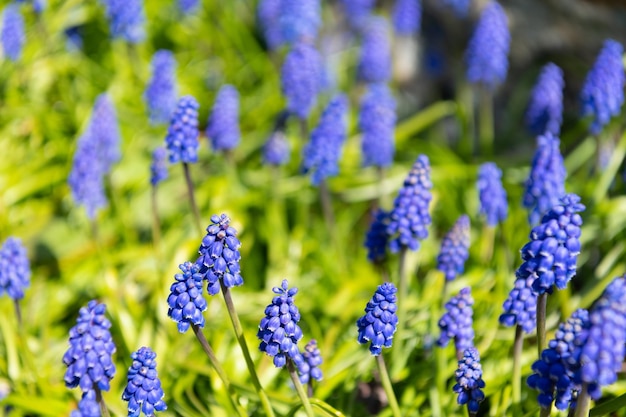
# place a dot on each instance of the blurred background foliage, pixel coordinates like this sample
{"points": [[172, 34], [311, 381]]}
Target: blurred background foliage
{"points": [[45, 103]]}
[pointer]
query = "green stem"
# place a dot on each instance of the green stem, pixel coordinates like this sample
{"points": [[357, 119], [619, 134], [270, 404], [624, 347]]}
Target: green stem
{"points": [[192, 198], [299, 388], [327, 207], [386, 381], [234, 318], [583, 402], [156, 222], [518, 346], [545, 412], [100, 401], [542, 302], [18, 313], [486, 127]]}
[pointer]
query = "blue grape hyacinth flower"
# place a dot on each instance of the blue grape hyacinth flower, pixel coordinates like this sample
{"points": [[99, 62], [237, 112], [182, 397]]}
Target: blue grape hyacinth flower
{"points": [[188, 6], [380, 321], [14, 269], [545, 107], [602, 94], [12, 35], [186, 302], [491, 193], [276, 149], [223, 126], [219, 255], [301, 79], [268, 15], [377, 121], [376, 239], [357, 12], [520, 307], [455, 249], [407, 15], [486, 56], [87, 406], [86, 180], [469, 381], [88, 360], [279, 332], [160, 94], [375, 57], [299, 20], [410, 217], [158, 167], [182, 134], [309, 369], [104, 130], [460, 7], [546, 182], [323, 152], [550, 256], [126, 19], [143, 391], [457, 322]]}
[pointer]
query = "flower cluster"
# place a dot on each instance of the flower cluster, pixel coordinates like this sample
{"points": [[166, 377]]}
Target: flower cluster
{"points": [[380, 321], [158, 167], [409, 218], [301, 79], [546, 182], [219, 255], [469, 380], [12, 34], [14, 268], [407, 16], [299, 20], [487, 61], [126, 19], [377, 121], [161, 95], [188, 6], [491, 193], [276, 149], [143, 391], [357, 12], [87, 406], [520, 308], [185, 301], [104, 130], [309, 368], [602, 95], [550, 256], [375, 57], [545, 108], [88, 360], [457, 322], [455, 249], [322, 153], [376, 239], [182, 134], [268, 14], [279, 332], [223, 126]]}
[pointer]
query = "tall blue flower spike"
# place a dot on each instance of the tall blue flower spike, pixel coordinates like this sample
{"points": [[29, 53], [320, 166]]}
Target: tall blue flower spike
{"points": [[87, 406], [276, 149], [520, 308], [550, 256], [12, 35], [86, 180], [14, 268], [455, 249], [546, 182], [126, 19], [491, 193], [160, 94], [469, 381], [186, 302], [376, 239], [602, 94], [377, 121], [357, 12], [279, 332], [410, 217], [457, 322], [188, 6], [323, 152], [301, 79], [309, 369], [545, 107], [219, 255], [104, 130], [182, 135], [143, 390], [299, 20], [487, 61], [380, 321], [268, 16], [407, 16], [158, 168], [375, 58], [223, 126]]}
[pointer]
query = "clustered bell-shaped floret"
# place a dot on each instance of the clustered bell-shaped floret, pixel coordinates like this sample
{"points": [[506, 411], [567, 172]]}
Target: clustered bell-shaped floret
{"points": [[158, 167], [410, 217], [357, 12], [182, 134], [188, 6], [457, 322], [185, 301], [380, 321], [312, 359], [87, 406], [276, 149], [14, 268], [223, 126], [455, 249], [375, 59], [377, 121], [301, 79], [520, 308], [299, 20], [143, 391], [376, 239], [88, 359], [126, 19], [407, 15], [12, 34], [219, 255], [268, 15], [550, 256], [491, 193], [160, 95], [469, 380], [279, 332], [545, 108]]}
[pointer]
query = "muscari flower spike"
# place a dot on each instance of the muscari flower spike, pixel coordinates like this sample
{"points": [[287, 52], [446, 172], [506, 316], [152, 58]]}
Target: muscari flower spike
{"points": [[469, 380], [407, 16], [161, 95], [376, 239], [301, 79], [602, 94], [223, 126], [182, 134], [88, 358], [14, 268], [357, 12], [276, 149], [520, 308], [268, 15], [377, 121], [375, 57], [188, 6], [455, 249], [105, 132], [309, 368], [550, 256], [460, 7], [86, 180], [299, 20], [279, 332], [143, 391], [486, 56], [158, 167], [457, 322], [219, 255], [126, 19], [322, 153], [546, 182], [87, 406], [409, 218], [186, 302], [545, 108], [380, 321], [12, 35], [491, 193]]}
